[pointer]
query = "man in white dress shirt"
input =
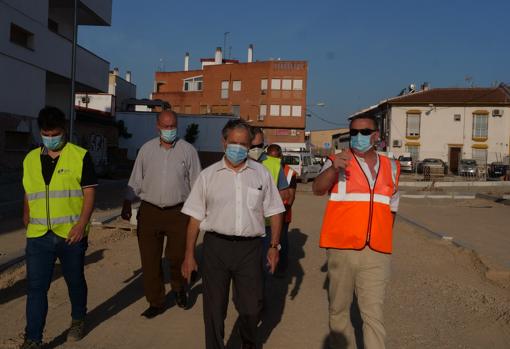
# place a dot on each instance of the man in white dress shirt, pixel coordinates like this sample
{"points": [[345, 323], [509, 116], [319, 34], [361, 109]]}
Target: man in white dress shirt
{"points": [[229, 202]]}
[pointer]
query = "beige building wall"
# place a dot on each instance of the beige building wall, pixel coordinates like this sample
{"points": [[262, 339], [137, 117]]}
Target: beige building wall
{"points": [[321, 140], [442, 128]]}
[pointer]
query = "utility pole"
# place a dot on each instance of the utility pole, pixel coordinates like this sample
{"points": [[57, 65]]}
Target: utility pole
{"points": [[73, 70]]}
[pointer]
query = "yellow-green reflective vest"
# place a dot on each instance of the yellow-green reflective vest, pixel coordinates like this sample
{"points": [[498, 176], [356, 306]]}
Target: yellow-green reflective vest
{"points": [[274, 166], [57, 206]]}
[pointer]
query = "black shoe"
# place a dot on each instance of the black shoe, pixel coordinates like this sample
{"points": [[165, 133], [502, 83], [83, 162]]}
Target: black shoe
{"points": [[181, 298], [152, 312], [30, 344]]}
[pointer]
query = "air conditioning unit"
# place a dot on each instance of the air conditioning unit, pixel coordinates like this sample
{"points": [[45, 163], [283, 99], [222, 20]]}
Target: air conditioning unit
{"points": [[497, 112], [397, 143]]}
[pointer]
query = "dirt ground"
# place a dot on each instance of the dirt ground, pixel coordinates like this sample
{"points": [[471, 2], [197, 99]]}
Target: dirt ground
{"points": [[439, 297]]}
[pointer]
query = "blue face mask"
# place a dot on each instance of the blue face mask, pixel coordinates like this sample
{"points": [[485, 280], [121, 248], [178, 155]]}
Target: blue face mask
{"points": [[236, 153], [168, 136], [52, 143], [361, 143]]}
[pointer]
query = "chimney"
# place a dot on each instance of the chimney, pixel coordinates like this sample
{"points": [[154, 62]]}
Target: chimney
{"points": [[186, 61], [250, 53], [128, 75], [218, 57], [116, 71]]}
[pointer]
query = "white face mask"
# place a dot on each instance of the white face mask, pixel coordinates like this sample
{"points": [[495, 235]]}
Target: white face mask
{"points": [[255, 153]]}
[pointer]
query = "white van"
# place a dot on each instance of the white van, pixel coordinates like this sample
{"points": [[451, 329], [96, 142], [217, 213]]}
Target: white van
{"points": [[303, 163]]}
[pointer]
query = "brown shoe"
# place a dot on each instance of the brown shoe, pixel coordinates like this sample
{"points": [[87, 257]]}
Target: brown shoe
{"points": [[76, 331]]}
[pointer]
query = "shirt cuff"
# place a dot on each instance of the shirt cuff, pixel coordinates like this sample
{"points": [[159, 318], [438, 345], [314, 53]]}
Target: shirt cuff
{"points": [[197, 214], [274, 212]]}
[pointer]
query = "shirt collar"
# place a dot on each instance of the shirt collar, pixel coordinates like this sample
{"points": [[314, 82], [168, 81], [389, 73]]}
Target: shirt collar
{"points": [[247, 164]]}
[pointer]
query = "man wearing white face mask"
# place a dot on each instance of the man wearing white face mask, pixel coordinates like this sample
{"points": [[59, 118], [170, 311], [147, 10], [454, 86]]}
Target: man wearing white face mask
{"points": [[357, 233], [59, 182], [229, 202], [164, 172]]}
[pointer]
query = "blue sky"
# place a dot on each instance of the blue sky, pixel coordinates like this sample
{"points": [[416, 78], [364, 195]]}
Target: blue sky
{"points": [[358, 52]]}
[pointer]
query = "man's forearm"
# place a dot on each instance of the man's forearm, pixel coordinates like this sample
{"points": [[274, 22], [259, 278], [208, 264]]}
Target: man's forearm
{"points": [[276, 227], [324, 181], [192, 236], [89, 195]]}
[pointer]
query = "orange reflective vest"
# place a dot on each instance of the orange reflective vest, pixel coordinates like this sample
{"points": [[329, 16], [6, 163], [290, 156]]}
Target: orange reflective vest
{"points": [[289, 174], [356, 215]]}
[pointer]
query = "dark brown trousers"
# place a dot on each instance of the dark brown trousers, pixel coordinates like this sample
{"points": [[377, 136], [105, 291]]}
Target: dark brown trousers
{"points": [[154, 224]]}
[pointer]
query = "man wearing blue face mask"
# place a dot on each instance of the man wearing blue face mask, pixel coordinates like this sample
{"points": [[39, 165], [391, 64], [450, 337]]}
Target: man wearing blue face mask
{"points": [[59, 182], [229, 202], [164, 172], [357, 233]]}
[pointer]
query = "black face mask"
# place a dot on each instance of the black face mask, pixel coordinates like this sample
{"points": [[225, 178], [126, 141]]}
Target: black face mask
{"points": [[260, 145]]}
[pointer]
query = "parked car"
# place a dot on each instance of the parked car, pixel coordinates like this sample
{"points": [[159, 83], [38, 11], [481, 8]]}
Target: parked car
{"points": [[497, 169], [467, 167], [432, 162], [406, 163], [303, 164]]}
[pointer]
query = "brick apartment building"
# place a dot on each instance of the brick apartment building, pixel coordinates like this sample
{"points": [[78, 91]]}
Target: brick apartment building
{"points": [[270, 94]]}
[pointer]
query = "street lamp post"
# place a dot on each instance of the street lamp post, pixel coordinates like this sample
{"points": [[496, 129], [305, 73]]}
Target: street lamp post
{"points": [[73, 70]]}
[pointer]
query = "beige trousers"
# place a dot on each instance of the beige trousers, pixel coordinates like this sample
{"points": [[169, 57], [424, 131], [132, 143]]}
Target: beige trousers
{"points": [[365, 273]]}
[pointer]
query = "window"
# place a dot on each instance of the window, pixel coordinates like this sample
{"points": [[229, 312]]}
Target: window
{"points": [[236, 110], [414, 151], [413, 125], [236, 85], [275, 110], [262, 111], [220, 109], [22, 37], [285, 110], [276, 84], [52, 25], [287, 84], [480, 155], [203, 109], [263, 84], [193, 84], [290, 160], [298, 85], [224, 89], [456, 117], [176, 108], [296, 110], [480, 125], [187, 109]]}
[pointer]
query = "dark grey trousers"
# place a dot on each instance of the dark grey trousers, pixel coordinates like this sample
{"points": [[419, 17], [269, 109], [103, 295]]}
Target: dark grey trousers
{"points": [[225, 261]]}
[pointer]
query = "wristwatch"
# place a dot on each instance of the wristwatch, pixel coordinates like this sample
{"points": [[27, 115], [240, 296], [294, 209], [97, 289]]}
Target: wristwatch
{"points": [[277, 246]]}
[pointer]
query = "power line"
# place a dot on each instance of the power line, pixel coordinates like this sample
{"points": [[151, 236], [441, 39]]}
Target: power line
{"points": [[314, 114]]}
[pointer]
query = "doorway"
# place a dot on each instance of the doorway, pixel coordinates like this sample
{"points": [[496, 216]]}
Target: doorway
{"points": [[454, 158]]}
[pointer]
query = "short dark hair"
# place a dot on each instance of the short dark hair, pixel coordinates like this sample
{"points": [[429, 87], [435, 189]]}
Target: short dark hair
{"points": [[365, 117], [51, 118], [234, 125], [274, 148], [257, 130]]}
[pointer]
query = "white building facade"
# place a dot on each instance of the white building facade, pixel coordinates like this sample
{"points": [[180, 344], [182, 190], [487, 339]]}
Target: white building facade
{"points": [[448, 124], [35, 63]]}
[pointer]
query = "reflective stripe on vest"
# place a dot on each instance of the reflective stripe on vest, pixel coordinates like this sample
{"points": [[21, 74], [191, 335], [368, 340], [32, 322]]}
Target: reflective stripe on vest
{"points": [[290, 173], [357, 215], [55, 194], [57, 206]]}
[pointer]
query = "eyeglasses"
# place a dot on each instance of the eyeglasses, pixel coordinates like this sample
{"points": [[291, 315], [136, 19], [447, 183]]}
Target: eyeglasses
{"points": [[364, 131]]}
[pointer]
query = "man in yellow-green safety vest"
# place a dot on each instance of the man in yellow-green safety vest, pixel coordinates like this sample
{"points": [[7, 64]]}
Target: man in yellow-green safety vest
{"points": [[59, 182]]}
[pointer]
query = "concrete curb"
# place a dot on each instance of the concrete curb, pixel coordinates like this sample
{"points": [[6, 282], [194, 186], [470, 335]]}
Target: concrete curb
{"points": [[498, 199], [454, 184], [441, 196]]}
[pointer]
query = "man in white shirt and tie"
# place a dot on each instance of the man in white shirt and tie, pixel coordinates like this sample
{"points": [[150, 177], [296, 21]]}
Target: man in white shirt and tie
{"points": [[229, 202]]}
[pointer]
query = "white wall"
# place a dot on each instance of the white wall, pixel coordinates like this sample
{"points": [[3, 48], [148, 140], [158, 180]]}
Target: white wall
{"points": [[22, 87], [438, 130], [51, 51], [143, 128]]}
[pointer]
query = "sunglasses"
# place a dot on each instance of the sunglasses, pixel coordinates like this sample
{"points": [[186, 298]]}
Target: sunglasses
{"points": [[364, 131]]}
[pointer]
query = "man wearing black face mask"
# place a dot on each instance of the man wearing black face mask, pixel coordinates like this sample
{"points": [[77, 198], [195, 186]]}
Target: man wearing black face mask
{"points": [[357, 232]]}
